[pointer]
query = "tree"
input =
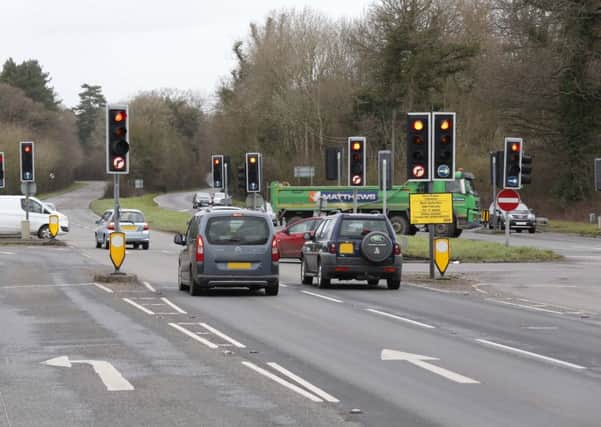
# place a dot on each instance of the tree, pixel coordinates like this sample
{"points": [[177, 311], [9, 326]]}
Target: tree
{"points": [[89, 111], [29, 77]]}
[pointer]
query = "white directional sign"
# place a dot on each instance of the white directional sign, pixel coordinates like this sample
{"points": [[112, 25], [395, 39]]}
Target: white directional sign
{"points": [[111, 377], [422, 362]]}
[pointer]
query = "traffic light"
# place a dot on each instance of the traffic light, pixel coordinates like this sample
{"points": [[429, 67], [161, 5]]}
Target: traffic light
{"points": [[242, 178], [512, 163], [418, 146], [496, 172], [217, 170], [117, 139], [356, 161], [526, 169], [2, 185], [332, 156], [443, 147], [253, 172], [27, 157]]}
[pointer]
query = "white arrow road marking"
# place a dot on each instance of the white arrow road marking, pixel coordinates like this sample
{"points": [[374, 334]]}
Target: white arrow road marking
{"points": [[111, 377], [420, 361]]}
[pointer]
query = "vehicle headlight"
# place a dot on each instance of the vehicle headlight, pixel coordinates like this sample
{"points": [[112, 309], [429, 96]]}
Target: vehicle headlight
{"points": [[531, 217]]}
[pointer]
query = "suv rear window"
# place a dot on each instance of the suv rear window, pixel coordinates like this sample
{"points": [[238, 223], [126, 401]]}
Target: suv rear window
{"points": [[356, 228], [237, 230]]}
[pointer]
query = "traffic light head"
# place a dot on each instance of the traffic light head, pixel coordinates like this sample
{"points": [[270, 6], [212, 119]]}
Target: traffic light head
{"points": [[444, 147], [253, 172], [2, 169], [512, 170], [242, 178], [357, 159], [418, 151], [217, 170], [27, 161], [526, 169], [117, 140]]}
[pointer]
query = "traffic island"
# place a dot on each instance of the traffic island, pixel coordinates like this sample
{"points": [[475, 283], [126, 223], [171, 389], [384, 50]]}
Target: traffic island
{"points": [[119, 278], [31, 242]]}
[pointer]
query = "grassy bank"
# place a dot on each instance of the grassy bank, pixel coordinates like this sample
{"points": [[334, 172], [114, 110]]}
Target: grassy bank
{"points": [[157, 218], [68, 189], [465, 250], [580, 228]]}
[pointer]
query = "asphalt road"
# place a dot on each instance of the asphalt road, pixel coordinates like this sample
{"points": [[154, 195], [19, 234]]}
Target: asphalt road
{"points": [[307, 357]]}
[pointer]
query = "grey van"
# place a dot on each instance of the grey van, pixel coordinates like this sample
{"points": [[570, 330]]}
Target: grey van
{"points": [[229, 249]]}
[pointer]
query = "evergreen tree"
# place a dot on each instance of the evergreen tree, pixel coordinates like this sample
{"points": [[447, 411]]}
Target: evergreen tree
{"points": [[31, 79], [89, 111]]}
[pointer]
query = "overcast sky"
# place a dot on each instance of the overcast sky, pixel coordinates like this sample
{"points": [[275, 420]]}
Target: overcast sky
{"points": [[128, 46]]}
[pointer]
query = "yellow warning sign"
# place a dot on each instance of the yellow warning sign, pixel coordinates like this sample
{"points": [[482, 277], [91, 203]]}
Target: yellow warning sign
{"points": [[117, 248], [442, 254], [53, 225], [436, 208]]}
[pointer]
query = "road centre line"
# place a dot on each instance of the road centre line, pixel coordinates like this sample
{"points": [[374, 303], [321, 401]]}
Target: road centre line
{"points": [[104, 288], [282, 381], [403, 319], [530, 354], [319, 392], [529, 307], [323, 297], [173, 306], [194, 336], [7, 253], [222, 335], [56, 285], [149, 286], [138, 306]]}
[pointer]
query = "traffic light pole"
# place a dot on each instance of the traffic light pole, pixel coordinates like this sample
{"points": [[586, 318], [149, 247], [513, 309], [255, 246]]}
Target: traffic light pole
{"points": [[225, 183], [431, 235], [338, 168], [385, 181], [116, 208], [354, 199], [494, 190]]}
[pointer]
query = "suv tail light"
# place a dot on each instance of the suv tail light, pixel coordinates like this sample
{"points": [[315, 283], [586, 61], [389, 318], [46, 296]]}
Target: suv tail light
{"points": [[111, 226], [200, 249], [332, 248], [145, 226], [396, 249], [275, 250]]}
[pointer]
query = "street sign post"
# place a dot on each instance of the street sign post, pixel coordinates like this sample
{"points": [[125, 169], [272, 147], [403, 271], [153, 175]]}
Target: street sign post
{"points": [[507, 200]]}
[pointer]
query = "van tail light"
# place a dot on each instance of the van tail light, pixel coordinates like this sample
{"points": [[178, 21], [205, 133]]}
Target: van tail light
{"points": [[396, 249], [332, 248], [275, 250], [200, 249], [145, 226], [111, 226]]}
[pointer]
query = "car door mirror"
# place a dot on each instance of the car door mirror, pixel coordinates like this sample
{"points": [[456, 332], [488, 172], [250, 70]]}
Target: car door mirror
{"points": [[98, 221], [286, 231], [308, 237], [179, 239]]}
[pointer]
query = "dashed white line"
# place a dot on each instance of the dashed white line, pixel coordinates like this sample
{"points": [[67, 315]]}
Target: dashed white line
{"points": [[282, 381], [283, 285], [138, 306], [530, 354], [7, 253], [529, 307], [222, 335], [149, 286], [58, 285], [173, 306], [194, 336], [104, 288], [403, 319], [319, 392], [323, 297]]}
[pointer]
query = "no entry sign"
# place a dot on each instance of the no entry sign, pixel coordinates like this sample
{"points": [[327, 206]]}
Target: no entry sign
{"points": [[508, 200]]}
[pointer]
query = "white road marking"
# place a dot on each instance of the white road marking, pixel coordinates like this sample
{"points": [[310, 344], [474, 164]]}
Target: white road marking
{"points": [[7, 253], [111, 377], [440, 291], [540, 328], [530, 354], [194, 336], [548, 285], [138, 306], [58, 285], [403, 319], [323, 296], [283, 285], [149, 286], [529, 307], [104, 288], [173, 306], [222, 335], [282, 381], [319, 392], [86, 255], [420, 361]]}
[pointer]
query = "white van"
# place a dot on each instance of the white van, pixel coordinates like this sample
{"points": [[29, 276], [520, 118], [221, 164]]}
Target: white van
{"points": [[12, 212]]}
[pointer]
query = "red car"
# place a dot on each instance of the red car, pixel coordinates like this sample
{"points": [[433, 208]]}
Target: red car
{"points": [[292, 238]]}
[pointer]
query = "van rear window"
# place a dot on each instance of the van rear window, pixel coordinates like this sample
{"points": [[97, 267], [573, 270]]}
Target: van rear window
{"points": [[356, 228], [237, 230]]}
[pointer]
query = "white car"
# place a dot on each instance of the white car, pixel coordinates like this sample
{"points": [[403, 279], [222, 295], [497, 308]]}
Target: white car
{"points": [[12, 212], [219, 198]]}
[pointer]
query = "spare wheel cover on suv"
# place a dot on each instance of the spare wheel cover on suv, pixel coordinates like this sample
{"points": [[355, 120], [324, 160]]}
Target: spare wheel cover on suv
{"points": [[376, 246]]}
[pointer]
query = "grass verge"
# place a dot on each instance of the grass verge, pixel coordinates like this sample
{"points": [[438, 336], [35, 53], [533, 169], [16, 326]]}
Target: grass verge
{"points": [[581, 228], [157, 218], [465, 250], [68, 189]]}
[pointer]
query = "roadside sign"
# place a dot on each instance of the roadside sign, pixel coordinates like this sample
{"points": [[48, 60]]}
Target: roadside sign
{"points": [[442, 254], [304, 171], [435, 208], [117, 248], [139, 184], [53, 225], [508, 200]]}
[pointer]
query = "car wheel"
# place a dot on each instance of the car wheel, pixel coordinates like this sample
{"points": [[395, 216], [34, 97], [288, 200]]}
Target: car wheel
{"points": [[44, 232], [106, 242], [373, 282], [180, 283], [194, 288], [532, 230], [145, 245], [272, 288], [393, 283], [322, 282], [307, 280], [400, 225], [98, 242]]}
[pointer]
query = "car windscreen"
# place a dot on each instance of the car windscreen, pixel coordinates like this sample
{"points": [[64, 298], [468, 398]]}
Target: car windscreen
{"points": [[237, 230], [356, 228], [131, 217]]}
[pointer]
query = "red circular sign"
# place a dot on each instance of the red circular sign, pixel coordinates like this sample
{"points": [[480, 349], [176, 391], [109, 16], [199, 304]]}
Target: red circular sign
{"points": [[508, 200], [119, 163], [418, 171]]}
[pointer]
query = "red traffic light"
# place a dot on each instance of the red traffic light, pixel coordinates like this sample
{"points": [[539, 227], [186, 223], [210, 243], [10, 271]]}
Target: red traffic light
{"points": [[216, 161], [356, 146], [417, 125], [515, 147], [252, 159], [27, 148], [119, 116], [445, 124]]}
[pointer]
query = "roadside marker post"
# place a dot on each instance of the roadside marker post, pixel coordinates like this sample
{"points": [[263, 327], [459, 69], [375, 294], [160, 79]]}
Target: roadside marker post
{"points": [[507, 200], [117, 249], [53, 225]]}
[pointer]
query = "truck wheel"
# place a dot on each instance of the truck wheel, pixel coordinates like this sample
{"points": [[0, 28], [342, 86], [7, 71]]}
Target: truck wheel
{"points": [[400, 224]]}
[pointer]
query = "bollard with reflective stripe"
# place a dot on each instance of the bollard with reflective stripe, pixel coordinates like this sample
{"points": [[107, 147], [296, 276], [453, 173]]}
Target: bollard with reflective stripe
{"points": [[442, 254], [53, 225], [117, 248]]}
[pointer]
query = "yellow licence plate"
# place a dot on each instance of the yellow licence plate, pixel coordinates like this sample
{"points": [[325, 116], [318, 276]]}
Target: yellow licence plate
{"points": [[238, 265], [129, 227], [346, 248]]}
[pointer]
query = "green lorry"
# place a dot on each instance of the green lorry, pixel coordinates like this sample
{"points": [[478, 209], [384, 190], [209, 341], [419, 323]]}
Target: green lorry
{"points": [[291, 203]]}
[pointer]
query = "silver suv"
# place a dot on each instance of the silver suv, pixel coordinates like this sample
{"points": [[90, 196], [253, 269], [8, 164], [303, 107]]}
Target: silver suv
{"points": [[230, 248]]}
